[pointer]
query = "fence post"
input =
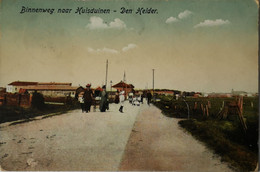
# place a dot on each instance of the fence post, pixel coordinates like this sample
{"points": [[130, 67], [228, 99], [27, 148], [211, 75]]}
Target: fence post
{"points": [[202, 109], [195, 106], [30, 100], [207, 110], [209, 104], [188, 108], [252, 104]]}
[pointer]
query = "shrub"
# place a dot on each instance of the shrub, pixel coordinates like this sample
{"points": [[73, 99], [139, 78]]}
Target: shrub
{"points": [[38, 101]]}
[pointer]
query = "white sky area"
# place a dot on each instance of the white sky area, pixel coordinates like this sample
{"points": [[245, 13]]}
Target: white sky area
{"points": [[190, 49]]}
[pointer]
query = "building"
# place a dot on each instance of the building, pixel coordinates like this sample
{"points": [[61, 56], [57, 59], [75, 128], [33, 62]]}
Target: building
{"points": [[52, 89], [55, 83], [96, 91], [128, 88], [164, 92], [15, 86]]}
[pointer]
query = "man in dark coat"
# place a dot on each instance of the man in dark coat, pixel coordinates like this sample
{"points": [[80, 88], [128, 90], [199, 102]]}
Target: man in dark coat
{"points": [[149, 97], [103, 102], [142, 98], [88, 97], [117, 97]]}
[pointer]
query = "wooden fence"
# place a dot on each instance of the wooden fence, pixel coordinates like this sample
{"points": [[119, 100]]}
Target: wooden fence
{"points": [[23, 100]]}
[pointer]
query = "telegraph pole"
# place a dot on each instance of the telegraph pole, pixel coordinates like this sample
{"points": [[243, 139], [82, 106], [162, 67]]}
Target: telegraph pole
{"points": [[111, 86], [153, 81], [106, 72], [124, 77]]}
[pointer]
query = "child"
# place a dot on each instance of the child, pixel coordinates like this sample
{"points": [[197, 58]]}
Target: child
{"points": [[81, 101]]}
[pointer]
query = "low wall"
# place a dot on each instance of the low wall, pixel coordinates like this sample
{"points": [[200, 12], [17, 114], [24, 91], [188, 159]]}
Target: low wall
{"points": [[23, 100]]}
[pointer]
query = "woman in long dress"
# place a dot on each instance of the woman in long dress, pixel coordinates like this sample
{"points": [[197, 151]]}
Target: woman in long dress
{"points": [[121, 99], [103, 101]]}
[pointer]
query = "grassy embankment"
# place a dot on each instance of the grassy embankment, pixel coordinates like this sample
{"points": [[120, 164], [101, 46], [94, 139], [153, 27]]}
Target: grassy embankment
{"points": [[225, 137], [13, 113]]}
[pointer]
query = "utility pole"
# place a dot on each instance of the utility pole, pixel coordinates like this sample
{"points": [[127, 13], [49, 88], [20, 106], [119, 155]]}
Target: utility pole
{"points": [[153, 81], [110, 89], [124, 77], [111, 86], [106, 72]]}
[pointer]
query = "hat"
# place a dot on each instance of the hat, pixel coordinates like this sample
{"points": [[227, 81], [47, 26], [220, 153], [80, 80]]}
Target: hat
{"points": [[88, 85], [104, 86]]}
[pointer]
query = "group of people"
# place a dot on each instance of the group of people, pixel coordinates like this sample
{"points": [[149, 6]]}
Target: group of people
{"points": [[87, 98], [137, 99]]}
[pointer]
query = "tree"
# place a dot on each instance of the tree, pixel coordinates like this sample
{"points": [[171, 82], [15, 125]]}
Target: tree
{"points": [[37, 100]]}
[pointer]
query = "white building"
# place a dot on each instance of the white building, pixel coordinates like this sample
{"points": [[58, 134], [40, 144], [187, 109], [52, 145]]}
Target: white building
{"points": [[52, 89], [15, 86]]}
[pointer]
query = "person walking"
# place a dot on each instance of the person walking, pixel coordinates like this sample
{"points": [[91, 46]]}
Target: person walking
{"points": [[103, 102], [121, 99], [117, 97], [88, 98], [149, 97], [142, 98], [81, 101]]}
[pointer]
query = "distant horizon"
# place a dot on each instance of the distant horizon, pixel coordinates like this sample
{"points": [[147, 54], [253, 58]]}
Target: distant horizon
{"points": [[108, 87]]}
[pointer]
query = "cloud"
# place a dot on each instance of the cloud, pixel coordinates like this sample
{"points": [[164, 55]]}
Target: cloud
{"points": [[104, 50], [171, 20], [212, 23], [98, 23], [112, 51], [185, 14], [117, 24], [128, 47], [181, 16]]}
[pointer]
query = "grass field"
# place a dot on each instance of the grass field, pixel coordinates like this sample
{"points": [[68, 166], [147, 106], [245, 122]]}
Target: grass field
{"points": [[225, 137]]}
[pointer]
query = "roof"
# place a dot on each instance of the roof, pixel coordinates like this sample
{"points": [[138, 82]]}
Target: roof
{"points": [[122, 84], [80, 89], [54, 83], [132, 86], [25, 83], [22, 83], [51, 87], [22, 91], [99, 89]]}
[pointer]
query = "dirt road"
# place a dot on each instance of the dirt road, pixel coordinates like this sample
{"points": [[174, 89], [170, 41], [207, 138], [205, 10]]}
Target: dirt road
{"points": [[72, 141], [158, 143], [139, 139]]}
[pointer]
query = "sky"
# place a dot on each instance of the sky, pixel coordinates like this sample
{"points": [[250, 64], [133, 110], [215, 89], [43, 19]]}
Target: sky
{"points": [[193, 45]]}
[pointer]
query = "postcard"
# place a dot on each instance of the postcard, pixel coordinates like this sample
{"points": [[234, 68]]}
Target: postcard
{"points": [[129, 85]]}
